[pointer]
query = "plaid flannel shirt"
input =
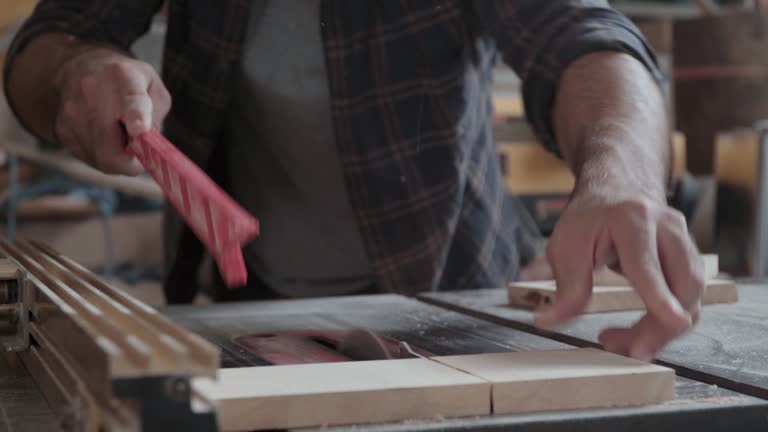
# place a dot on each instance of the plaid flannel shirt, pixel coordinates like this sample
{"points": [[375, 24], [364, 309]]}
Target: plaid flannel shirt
{"points": [[410, 98]]}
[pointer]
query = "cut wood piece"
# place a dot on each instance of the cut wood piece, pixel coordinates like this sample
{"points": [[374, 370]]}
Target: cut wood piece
{"points": [[711, 266], [279, 397], [532, 295], [566, 379], [606, 277]]}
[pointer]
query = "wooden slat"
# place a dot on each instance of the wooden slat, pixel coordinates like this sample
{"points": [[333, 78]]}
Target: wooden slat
{"points": [[203, 356], [166, 354], [129, 356], [99, 334], [59, 382], [277, 397], [566, 379]]}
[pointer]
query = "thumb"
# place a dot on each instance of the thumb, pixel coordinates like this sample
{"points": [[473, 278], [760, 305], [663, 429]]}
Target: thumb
{"points": [[136, 115], [135, 105]]}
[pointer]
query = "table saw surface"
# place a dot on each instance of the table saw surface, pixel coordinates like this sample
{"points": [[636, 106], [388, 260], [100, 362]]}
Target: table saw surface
{"points": [[711, 355]]}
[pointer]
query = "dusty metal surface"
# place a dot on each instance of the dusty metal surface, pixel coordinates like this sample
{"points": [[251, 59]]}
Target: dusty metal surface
{"points": [[728, 348]]}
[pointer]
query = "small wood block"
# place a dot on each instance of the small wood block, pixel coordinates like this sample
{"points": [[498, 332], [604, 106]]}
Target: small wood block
{"points": [[282, 397], [566, 379], [607, 277], [532, 295], [711, 266]]}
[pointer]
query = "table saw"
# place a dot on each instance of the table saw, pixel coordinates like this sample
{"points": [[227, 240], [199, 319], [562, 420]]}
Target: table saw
{"points": [[720, 382]]}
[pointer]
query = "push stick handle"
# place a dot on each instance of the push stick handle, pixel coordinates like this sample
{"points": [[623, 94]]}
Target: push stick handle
{"points": [[217, 220]]}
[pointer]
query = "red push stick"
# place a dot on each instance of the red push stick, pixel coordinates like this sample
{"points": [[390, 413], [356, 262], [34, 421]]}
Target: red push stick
{"points": [[217, 220]]}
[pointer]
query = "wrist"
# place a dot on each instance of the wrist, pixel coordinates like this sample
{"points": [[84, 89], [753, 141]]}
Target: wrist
{"points": [[611, 178]]}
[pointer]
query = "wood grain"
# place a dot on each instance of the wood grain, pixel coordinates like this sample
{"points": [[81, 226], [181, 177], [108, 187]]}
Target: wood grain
{"points": [[532, 295], [277, 397], [566, 379], [612, 292]]}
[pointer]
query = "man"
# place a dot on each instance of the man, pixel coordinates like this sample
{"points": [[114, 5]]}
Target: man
{"points": [[360, 134]]}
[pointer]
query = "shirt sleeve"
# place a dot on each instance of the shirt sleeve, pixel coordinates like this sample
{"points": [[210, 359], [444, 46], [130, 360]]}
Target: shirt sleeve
{"points": [[539, 39], [113, 22]]}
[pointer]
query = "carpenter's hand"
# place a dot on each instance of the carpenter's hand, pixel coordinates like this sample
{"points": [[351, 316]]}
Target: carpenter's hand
{"points": [[105, 95], [649, 243]]}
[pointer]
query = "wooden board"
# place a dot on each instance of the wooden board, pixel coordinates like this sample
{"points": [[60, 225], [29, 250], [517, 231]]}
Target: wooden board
{"points": [[277, 397], [566, 379], [531, 295]]}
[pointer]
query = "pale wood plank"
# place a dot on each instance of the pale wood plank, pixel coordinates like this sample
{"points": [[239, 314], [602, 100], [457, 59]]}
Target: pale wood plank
{"points": [[606, 277], [278, 397], [532, 295], [566, 379]]}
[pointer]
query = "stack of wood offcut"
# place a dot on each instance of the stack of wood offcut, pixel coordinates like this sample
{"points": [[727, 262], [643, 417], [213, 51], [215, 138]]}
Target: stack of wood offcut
{"points": [[612, 292]]}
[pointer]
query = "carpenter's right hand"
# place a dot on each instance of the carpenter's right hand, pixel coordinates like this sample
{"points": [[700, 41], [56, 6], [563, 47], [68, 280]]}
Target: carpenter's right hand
{"points": [[108, 99]]}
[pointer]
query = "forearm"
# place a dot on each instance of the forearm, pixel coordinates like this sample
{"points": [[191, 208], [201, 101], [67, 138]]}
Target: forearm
{"points": [[32, 82], [612, 127]]}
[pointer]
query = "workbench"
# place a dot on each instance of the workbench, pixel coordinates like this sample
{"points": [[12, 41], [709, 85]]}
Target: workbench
{"points": [[722, 376]]}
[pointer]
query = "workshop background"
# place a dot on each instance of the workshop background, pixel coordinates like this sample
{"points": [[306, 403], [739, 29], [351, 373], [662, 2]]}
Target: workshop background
{"points": [[714, 61]]}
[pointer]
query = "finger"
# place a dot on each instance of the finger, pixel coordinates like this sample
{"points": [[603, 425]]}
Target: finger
{"points": [[605, 259], [637, 252], [537, 269], [638, 341], [110, 153], [695, 312], [136, 114], [642, 341], [650, 337], [682, 264], [161, 101], [617, 340], [106, 141], [573, 277], [134, 104]]}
